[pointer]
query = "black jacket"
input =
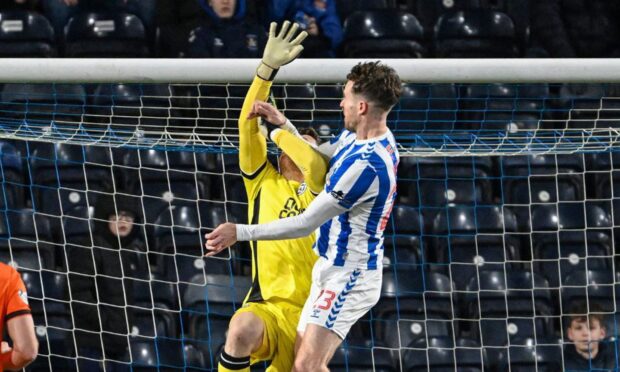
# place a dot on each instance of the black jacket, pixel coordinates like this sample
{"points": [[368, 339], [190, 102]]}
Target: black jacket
{"points": [[605, 359], [577, 28], [102, 277]]}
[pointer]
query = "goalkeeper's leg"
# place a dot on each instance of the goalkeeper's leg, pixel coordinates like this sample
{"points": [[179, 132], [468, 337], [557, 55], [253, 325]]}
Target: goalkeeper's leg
{"points": [[245, 335]]}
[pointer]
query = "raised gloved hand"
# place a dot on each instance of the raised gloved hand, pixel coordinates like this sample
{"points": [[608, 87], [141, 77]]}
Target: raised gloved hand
{"points": [[280, 49]]}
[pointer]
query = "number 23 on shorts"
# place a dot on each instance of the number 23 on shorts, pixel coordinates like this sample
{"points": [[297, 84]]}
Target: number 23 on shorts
{"points": [[324, 301]]}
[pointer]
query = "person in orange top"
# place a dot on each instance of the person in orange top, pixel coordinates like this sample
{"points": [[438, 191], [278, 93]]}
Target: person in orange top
{"points": [[15, 313]]}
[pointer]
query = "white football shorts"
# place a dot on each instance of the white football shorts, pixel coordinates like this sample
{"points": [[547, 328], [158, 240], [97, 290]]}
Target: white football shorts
{"points": [[339, 296]]}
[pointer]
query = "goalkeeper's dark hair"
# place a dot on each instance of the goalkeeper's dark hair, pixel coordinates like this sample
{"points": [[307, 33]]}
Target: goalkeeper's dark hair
{"points": [[309, 131], [377, 82]]}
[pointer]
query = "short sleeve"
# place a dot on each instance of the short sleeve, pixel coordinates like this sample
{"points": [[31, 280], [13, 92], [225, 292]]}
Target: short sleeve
{"points": [[17, 298]]}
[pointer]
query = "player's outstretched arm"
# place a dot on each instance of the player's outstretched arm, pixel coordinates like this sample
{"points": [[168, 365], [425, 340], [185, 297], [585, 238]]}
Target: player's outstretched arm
{"points": [[323, 208], [279, 50]]}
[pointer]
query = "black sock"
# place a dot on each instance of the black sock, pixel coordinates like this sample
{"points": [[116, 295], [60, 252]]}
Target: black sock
{"points": [[234, 363]]}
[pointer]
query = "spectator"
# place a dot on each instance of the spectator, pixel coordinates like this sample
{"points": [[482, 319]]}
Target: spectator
{"points": [[586, 331], [576, 28], [318, 17], [60, 11], [32, 5], [176, 19], [97, 273], [226, 32]]}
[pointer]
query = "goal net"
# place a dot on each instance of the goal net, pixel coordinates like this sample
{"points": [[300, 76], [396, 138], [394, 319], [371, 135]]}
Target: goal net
{"points": [[505, 218]]}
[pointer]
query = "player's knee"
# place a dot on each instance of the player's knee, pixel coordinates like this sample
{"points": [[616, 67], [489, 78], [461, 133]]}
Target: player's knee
{"points": [[307, 363], [245, 332]]}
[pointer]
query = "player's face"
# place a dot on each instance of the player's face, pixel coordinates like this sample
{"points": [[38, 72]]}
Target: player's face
{"points": [[121, 225], [223, 8], [586, 336], [349, 106], [288, 168]]}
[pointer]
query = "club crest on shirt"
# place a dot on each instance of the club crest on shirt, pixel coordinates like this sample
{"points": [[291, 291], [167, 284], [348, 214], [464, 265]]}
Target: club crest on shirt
{"points": [[302, 188], [23, 296], [251, 41]]}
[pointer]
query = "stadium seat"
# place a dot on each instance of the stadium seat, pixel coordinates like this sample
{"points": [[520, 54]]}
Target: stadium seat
{"points": [[105, 35], [388, 33], [125, 110], [154, 308], [471, 239], [412, 303], [346, 8], [425, 109], [297, 102], [443, 354], [26, 34], [570, 237], [594, 286], [475, 33], [160, 354], [44, 107], [26, 240], [532, 354], [208, 304], [547, 179], [434, 183], [583, 106], [178, 241], [429, 11], [402, 237], [349, 358], [492, 108]]}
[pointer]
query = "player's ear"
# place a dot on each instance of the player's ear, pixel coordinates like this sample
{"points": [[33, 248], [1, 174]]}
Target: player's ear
{"points": [[362, 107]]}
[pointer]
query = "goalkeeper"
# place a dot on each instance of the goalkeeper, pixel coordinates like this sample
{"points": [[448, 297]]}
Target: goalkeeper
{"points": [[265, 327]]}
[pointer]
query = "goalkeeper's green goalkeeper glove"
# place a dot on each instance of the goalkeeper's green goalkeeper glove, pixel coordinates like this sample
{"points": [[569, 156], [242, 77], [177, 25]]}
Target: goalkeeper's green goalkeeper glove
{"points": [[280, 49]]}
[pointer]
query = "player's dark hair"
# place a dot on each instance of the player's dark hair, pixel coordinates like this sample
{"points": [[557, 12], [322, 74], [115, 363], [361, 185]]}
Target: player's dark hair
{"points": [[580, 312], [377, 82], [309, 131]]}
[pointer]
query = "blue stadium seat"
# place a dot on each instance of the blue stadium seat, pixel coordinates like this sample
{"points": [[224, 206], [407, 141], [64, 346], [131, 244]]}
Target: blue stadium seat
{"points": [[209, 303], [178, 239], [44, 107], [297, 101], [532, 354], [26, 34], [154, 308], [349, 358], [106, 35], [387, 33], [470, 239], [412, 302], [547, 179], [442, 354], [402, 237], [581, 106], [160, 354], [505, 107], [475, 33], [568, 238], [595, 286], [426, 109], [26, 240], [125, 108], [433, 183]]}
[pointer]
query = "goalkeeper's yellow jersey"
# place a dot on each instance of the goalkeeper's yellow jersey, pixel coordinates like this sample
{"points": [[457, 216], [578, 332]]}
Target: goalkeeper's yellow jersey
{"points": [[281, 269]]}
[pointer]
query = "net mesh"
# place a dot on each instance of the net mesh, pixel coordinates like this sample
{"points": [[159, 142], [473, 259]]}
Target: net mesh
{"points": [[504, 220]]}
